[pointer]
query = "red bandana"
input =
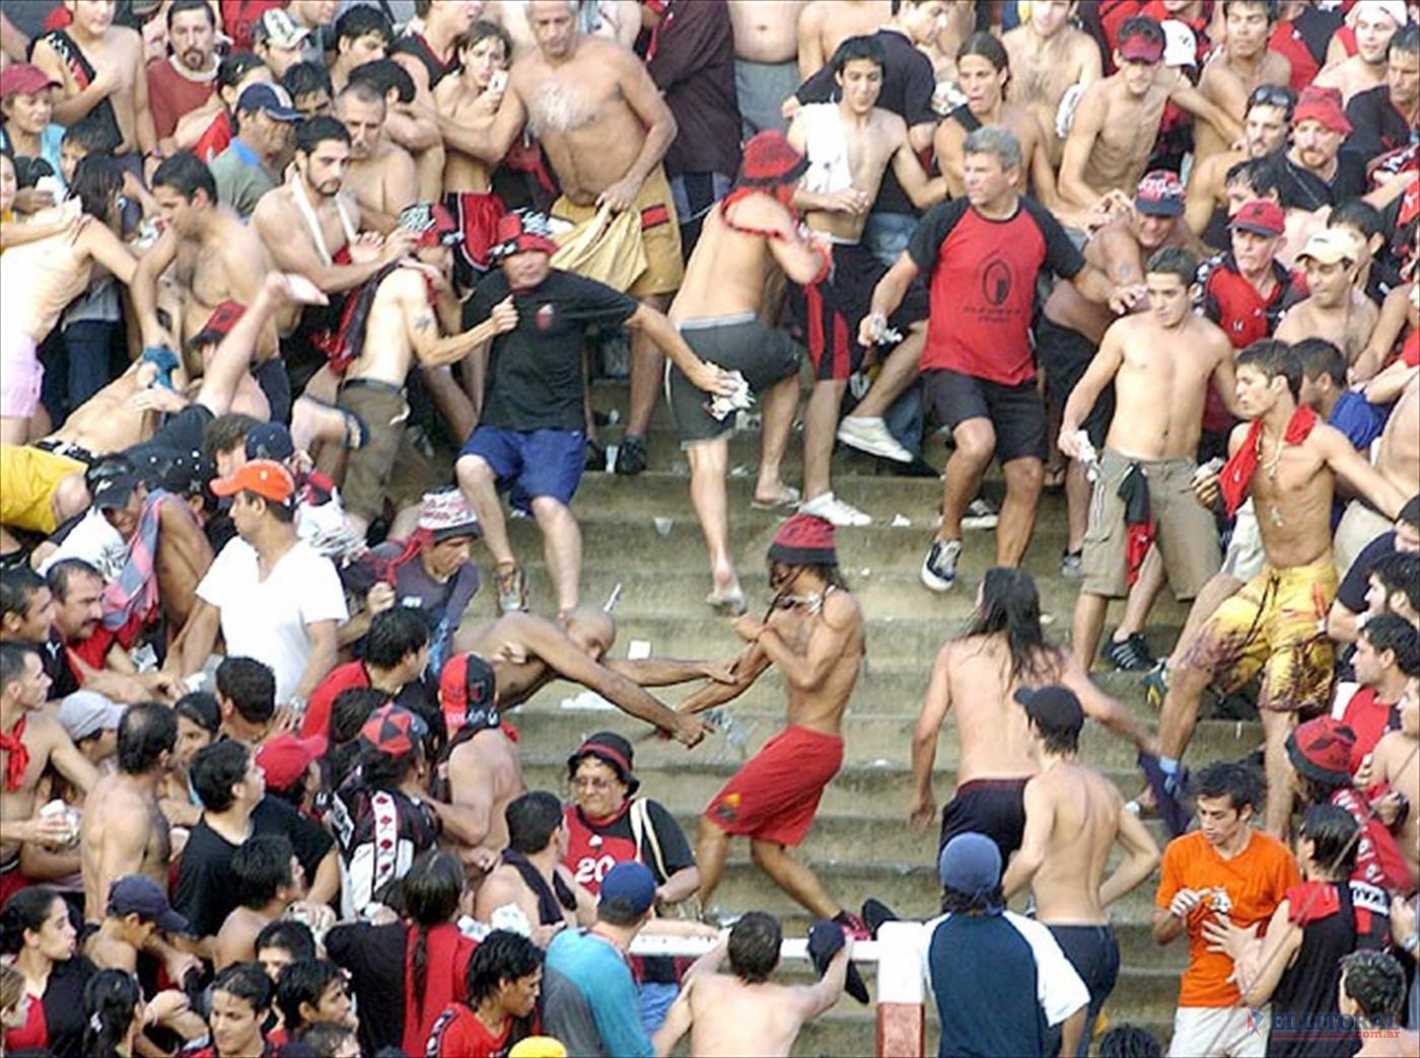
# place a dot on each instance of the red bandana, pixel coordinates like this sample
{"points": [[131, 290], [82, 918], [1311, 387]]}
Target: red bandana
{"points": [[1239, 469], [14, 745]]}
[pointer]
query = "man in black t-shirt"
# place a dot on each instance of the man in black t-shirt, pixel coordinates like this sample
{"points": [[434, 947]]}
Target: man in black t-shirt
{"points": [[232, 788], [531, 438], [1342, 621], [1383, 118]]}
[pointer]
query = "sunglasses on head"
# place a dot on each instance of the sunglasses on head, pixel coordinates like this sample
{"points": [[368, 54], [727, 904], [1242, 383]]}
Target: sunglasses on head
{"points": [[1271, 95]]}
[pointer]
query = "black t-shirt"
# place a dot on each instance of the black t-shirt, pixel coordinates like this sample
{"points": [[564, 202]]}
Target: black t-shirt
{"points": [[535, 370], [1376, 126], [374, 955], [205, 894], [908, 84], [1302, 189], [1352, 593], [55, 658]]}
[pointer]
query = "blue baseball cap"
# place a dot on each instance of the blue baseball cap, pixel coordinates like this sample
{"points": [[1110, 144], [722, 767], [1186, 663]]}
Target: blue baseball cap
{"points": [[970, 863], [271, 98], [270, 440], [631, 885]]}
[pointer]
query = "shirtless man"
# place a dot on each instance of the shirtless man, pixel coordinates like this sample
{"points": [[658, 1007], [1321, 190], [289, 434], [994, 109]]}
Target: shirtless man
{"points": [[470, 99], [362, 34], [1074, 818], [849, 146], [743, 1012], [983, 72], [604, 127], [1050, 60], [1335, 310], [1375, 24], [217, 258], [825, 24], [30, 740], [748, 237], [411, 307], [123, 831], [528, 652], [1265, 127], [1118, 118], [103, 71], [814, 636], [980, 674], [481, 773], [1236, 70], [1396, 762], [766, 65], [531, 876], [1397, 459], [38, 281], [615, 20], [381, 173], [1289, 463], [1161, 363]]}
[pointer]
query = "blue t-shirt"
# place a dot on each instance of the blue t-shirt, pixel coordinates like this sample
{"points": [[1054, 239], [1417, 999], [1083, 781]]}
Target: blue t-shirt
{"points": [[1359, 419], [600, 973], [49, 143]]}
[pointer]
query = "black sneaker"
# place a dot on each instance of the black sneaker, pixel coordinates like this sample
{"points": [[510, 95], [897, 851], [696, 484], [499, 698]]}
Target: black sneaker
{"points": [[595, 458], [631, 455], [1130, 655]]}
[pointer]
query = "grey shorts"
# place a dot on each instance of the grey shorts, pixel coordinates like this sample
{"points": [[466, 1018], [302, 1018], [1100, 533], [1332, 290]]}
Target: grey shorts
{"points": [[737, 343], [761, 88]]}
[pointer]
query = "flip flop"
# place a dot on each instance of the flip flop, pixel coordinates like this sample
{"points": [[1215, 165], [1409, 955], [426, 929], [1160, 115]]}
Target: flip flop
{"points": [[728, 604], [787, 500]]}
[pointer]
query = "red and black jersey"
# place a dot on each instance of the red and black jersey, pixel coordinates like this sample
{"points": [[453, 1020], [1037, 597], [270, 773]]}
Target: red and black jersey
{"points": [[458, 1033], [1302, 42], [594, 846], [415, 45], [982, 285], [1234, 304]]}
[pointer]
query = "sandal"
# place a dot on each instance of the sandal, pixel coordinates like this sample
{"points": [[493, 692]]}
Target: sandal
{"points": [[788, 499], [727, 604]]}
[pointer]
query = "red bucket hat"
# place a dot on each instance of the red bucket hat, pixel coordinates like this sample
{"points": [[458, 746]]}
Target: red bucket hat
{"points": [[520, 232], [1322, 105], [1321, 749], [770, 160], [804, 540]]}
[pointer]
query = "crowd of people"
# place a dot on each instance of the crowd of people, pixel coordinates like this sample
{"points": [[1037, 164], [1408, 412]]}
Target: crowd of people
{"points": [[261, 793]]}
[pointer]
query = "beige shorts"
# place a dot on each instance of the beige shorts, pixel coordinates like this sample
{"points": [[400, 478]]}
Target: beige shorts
{"points": [[367, 471], [660, 235], [1245, 557], [1185, 534], [1220, 1032], [1359, 526]]}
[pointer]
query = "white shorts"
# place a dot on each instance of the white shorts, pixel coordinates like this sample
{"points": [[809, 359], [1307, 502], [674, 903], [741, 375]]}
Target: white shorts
{"points": [[21, 374], [1245, 556], [1220, 1032]]}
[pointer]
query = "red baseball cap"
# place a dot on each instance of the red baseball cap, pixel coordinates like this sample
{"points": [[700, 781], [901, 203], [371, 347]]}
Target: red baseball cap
{"points": [[1142, 47], [1322, 105], [24, 79], [520, 232], [286, 758], [265, 477], [1260, 217]]}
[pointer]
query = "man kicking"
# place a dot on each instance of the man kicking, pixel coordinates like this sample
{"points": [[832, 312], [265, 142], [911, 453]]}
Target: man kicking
{"points": [[1074, 817], [814, 636], [980, 674], [1276, 623], [1161, 363]]}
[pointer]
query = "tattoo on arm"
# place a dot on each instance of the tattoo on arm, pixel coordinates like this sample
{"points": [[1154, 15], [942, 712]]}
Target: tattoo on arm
{"points": [[424, 322]]}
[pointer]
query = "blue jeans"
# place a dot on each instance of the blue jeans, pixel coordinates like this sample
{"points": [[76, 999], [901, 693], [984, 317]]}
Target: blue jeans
{"points": [[886, 235]]}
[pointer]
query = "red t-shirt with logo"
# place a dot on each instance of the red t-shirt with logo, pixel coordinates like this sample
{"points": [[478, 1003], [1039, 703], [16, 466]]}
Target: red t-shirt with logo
{"points": [[459, 1034], [982, 285]]}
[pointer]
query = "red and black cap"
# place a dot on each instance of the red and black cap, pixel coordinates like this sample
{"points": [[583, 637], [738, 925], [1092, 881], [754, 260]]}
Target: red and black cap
{"points": [[613, 751], [393, 730], [468, 694], [804, 540], [431, 222], [521, 231], [1321, 749], [770, 160]]}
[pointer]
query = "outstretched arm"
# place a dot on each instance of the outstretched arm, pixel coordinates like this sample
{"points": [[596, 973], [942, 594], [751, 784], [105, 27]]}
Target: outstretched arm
{"points": [[1100, 706], [1364, 480], [667, 672], [744, 670]]}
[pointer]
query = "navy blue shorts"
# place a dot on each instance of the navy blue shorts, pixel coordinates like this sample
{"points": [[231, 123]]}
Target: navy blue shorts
{"points": [[529, 464]]}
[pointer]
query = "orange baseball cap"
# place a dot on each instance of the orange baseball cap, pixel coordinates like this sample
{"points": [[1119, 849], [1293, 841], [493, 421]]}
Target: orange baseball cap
{"points": [[265, 477]]}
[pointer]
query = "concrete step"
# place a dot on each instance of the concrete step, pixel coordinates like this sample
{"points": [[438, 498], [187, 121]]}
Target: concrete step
{"points": [[870, 737]]}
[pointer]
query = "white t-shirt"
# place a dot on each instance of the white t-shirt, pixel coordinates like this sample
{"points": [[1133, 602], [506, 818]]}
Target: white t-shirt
{"points": [[266, 619]]}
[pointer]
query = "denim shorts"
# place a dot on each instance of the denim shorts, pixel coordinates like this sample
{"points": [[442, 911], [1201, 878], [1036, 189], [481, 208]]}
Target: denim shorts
{"points": [[529, 464]]}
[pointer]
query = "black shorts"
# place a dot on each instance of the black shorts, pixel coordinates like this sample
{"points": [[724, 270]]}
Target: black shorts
{"points": [[1064, 356], [737, 343], [1094, 953], [1016, 413], [994, 807], [183, 431], [830, 311]]}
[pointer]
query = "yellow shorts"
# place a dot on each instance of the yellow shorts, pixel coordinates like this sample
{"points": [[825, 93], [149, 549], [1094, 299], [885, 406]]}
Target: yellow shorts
{"points": [[660, 234], [28, 478], [1275, 625]]}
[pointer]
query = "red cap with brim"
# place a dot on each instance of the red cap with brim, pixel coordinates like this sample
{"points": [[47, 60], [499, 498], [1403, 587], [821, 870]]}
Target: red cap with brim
{"points": [[1140, 48], [24, 79], [265, 477], [286, 758], [1261, 218]]}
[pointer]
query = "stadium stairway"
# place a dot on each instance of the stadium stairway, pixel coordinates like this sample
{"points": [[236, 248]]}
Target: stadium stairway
{"points": [[641, 533]]}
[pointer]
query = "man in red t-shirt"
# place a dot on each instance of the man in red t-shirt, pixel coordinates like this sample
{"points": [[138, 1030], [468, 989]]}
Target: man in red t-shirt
{"points": [[983, 254], [183, 81], [1387, 654], [504, 979]]}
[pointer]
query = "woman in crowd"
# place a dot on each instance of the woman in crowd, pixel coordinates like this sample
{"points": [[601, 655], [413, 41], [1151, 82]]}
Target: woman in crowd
{"points": [[36, 929]]}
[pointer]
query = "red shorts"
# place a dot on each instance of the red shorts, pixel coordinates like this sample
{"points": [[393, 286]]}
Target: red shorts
{"points": [[476, 214], [775, 796]]}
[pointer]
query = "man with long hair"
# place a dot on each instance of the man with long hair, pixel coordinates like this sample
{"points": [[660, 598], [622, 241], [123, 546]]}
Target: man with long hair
{"points": [[1001, 653]]}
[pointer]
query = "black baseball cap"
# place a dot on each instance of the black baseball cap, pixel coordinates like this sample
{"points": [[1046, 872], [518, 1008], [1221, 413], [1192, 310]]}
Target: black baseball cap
{"points": [[112, 493], [270, 440], [134, 894], [1053, 708]]}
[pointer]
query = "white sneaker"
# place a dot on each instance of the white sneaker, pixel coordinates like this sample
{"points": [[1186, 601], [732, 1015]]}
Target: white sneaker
{"points": [[870, 434], [831, 509], [939, 568], [980, 514]]}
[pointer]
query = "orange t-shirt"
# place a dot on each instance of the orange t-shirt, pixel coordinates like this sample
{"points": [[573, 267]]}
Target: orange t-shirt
{"points": [[1247, 888]]}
